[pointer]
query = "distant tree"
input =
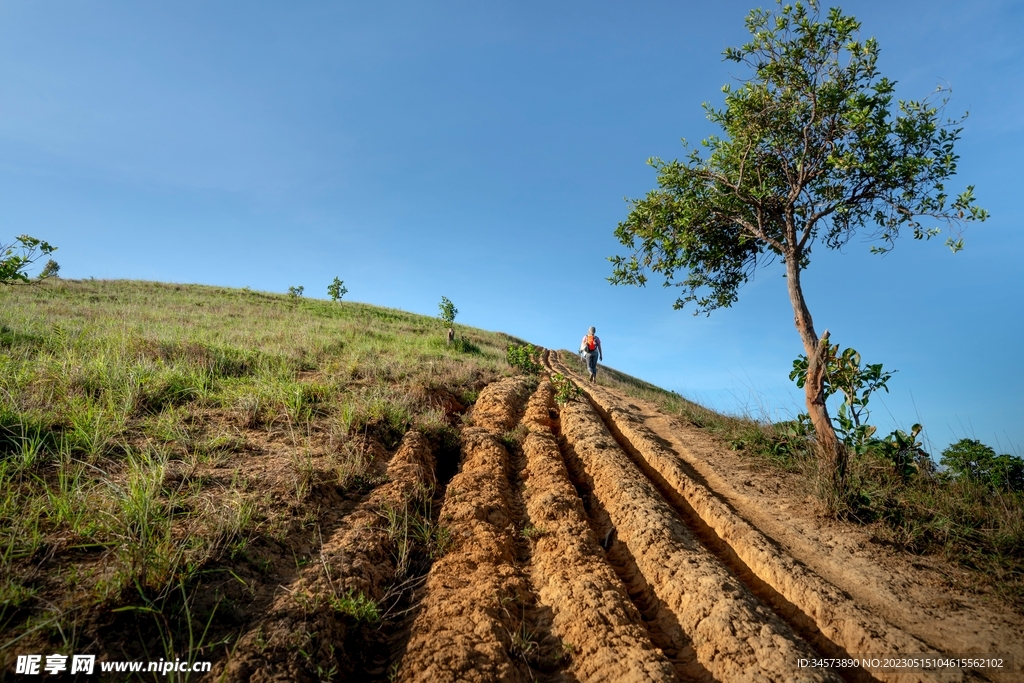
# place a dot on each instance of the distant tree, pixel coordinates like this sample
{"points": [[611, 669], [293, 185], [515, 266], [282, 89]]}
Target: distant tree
{"points": [[974, 460], [336, 290], [447, 316], [16, 257], [296, 292], [812, 150]]}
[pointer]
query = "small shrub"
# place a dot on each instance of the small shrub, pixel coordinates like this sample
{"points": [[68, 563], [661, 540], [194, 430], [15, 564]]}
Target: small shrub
{"points": [[447, 311], [447, 316], [845, 375], [336, 290], [565, 389], [524, 358], [903, 453], [296, 292], [463, 345]]}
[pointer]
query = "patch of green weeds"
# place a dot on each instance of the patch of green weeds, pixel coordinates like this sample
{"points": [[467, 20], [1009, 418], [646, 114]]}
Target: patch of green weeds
{"points": [[565, 389], [357, 605], [414, 534], [514, 438], [523, 357]]}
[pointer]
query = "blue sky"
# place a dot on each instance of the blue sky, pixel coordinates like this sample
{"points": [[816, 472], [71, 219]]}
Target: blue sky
{"points": [[482, 151]]}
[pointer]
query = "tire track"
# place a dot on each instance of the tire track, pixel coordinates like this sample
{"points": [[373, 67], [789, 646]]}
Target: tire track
{"points": [[475, 597], [734, 636], [662, 625], [816, 609], [591, 611]]}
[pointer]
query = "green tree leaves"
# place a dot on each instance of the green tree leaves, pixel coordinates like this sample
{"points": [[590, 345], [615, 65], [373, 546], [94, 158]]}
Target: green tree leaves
{"points": [[974, 460], [16, 257], [812, 150], [336, 290], [447, 311], [845, 375]]}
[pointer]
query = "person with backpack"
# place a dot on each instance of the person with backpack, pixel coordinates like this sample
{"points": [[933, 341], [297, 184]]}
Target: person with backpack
{"points": [[590, 347]]}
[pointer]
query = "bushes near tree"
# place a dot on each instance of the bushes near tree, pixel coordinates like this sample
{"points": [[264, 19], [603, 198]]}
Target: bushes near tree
{"points": [[973, 460]]}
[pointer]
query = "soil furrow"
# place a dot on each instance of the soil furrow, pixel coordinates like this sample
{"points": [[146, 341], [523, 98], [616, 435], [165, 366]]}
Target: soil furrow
{"points": [[600, 629], [734, 635], [661, 624], [356, 559], [470, 623], [817, 610]]}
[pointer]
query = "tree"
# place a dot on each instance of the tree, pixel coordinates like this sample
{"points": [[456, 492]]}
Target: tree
{"points": [[447, 316], [336, 290], [974, 460], [812, 151], [16, 257]]}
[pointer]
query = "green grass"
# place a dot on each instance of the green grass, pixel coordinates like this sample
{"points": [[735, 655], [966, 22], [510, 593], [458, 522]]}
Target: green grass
{"points": [[132, 415], [356, 605]]}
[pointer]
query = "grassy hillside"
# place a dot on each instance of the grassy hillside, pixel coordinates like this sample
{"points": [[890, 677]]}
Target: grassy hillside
{"points": [[169, 454], [172, 455]]}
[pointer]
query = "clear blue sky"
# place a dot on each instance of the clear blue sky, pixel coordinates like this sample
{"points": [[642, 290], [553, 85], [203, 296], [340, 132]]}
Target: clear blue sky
{"points": [[482, 151]]}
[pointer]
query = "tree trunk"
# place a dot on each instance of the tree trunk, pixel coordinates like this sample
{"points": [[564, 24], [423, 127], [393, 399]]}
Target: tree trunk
{"points": [[830, 450]]}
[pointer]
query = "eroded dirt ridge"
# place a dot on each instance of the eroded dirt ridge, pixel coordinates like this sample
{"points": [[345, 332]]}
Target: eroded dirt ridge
{"points": [[580, 547], [732, 634], [303, 622], [471, 624], [818, 611], [601, 630]]}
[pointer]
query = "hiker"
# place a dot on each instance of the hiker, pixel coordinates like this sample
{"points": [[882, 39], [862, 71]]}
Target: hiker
{"points": [[590, 348]]}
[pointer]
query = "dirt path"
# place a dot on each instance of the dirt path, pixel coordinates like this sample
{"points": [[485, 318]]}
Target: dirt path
{"points": [[469, 623], [602, 541], [824, 578], [600, 628], [732, 634]]}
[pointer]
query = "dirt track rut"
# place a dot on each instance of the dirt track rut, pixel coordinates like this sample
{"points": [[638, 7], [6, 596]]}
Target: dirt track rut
{"points": [[475, 596], [732, 635], [591, 609], [893, 591], [355, 558]]}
